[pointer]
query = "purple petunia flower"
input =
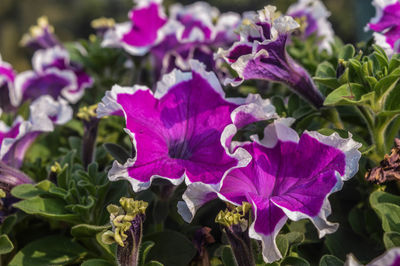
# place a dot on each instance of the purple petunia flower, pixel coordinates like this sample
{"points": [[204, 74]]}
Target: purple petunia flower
{"points": [[53, 75], [261, 54], [389, 258], [194, 32], [7, 77], [386, 25], [283, 180], [40, 36], [15, 140], [312, 16], [142, 32], [176, 131]]}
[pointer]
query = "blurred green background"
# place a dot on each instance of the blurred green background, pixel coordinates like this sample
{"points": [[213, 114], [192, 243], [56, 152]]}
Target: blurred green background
{"points": [[71, 19]]}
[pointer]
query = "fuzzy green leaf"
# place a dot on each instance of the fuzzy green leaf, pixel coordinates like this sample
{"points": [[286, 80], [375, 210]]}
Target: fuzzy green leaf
{"points": [[47, 207], [6, 246], [50, 250]]}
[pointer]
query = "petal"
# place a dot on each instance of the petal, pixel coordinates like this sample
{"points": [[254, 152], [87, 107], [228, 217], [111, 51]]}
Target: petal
{"points": [[52, 81], [45, 111], [15, 141], [146, 23], [176, 132], [268, 221], [123, 172], [109, 104], [347, 145], [56, 56], [252, 110], [196, 195], [390, 258]]}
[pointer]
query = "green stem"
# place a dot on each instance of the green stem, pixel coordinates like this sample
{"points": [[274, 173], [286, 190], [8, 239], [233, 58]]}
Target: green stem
{"points": [[394, 131], [380, 132]]}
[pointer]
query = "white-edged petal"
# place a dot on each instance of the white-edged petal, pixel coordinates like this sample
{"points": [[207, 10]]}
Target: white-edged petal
{"points": [[347, 145], [109, 104]]}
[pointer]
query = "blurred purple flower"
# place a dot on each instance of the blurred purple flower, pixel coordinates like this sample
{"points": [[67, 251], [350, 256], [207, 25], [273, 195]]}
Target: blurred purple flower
{"points": [[386, 25], [7, 77], [194, 32], [40, 36], [176, 131], [142, 32], [16, 139], [261, 54], [53, 74], [312, 16]]}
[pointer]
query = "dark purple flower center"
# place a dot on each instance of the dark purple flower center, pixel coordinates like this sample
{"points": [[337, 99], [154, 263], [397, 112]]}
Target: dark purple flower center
{"points": [[179, 150]]}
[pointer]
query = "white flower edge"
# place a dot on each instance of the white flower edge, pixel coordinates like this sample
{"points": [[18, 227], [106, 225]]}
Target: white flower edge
{"points": [[25, 127], [45, 107], [45, 57], [109, 104], [379, 6], [387, 258], [270, 251]]}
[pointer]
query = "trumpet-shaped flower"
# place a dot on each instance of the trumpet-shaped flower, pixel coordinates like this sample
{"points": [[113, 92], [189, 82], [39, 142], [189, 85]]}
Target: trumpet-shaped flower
{"points": [[285, 180], [312, 16], [142, 32], [16, 139], [261, 54], [176, 131], [289, 177], [53, 75], [194, 32], [7, 77], [386, 25]]}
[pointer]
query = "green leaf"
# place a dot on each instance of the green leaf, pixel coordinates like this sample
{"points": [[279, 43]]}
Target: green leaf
{"points": [[394, 64], [381, 56], [47, 207], [26, 191], [295, 238], [6, 246], [356, 220], [294, 261], [282, 244], [8, 224], [277, 101], [145, 248], [347, 52], [387, 206], [97, 262], [45, 185], [171, 248], [391, 240], [330, 260], [154, 263], [348, 94], [386, 84], [87, 230], [227, 256], [50, 250], [328, 82], [117, 152], [326, 75]]}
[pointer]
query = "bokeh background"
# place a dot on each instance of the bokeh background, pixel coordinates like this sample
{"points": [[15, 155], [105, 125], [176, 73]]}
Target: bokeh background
{"points": [[71, 19]]}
